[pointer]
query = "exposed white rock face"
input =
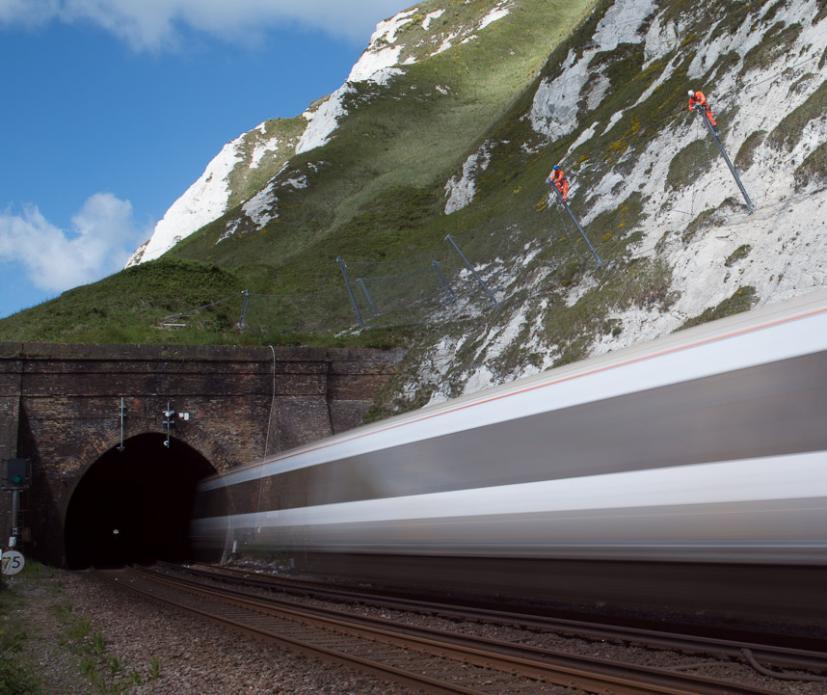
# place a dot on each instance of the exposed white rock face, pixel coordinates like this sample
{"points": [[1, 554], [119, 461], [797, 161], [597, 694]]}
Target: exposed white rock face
{"points": [[137, 256], [780, 251], [381, 52], [430, 18], [262, 149], [263, 207], [260, 207], [324, 120], [204, 201], [581, 139], [381, 62], [378, 64], [660, 39], [461, 189], [554, 112], [207, 199], [447, 43], [372, 62], [497, 13]]}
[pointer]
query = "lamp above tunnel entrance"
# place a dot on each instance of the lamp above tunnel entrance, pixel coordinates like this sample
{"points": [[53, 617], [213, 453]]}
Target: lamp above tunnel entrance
{"points": [[135, 505]]}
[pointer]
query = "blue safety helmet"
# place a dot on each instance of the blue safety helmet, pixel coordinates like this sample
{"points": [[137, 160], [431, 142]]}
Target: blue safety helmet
{"points": [[556, 167]]}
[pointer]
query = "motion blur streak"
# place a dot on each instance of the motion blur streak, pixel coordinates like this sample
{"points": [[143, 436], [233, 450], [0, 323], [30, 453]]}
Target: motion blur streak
{"points": [[707, 446]]}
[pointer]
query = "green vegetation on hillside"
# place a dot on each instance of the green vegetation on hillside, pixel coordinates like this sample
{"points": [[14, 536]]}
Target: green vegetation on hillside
{"points": [[376, 195], [130, 306], [245, 180], [742, 300], [788, 132], [813, 169]]}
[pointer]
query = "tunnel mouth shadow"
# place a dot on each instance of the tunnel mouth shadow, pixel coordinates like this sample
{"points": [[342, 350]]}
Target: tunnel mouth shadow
{"points": [[134, 506]]}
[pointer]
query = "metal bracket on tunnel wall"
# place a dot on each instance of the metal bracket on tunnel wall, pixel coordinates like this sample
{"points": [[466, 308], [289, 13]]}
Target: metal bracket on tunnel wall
{"points": [[168, 423]]}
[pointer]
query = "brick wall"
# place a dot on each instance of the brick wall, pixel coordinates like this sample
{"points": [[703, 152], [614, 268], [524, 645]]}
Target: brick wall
{"points": [[60, 405]]}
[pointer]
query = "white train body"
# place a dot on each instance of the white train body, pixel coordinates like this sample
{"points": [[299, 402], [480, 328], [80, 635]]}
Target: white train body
{"points": [[709, 445]]}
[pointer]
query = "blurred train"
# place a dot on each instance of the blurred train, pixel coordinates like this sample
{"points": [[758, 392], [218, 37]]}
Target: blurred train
{"points": [[705, 448]]}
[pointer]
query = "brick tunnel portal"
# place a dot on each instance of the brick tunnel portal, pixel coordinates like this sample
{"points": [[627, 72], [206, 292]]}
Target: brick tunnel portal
{"points": [[135, 505], [64, 408]]}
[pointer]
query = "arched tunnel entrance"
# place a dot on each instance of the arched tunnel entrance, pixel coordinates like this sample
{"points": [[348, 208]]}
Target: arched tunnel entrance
{"points": [[134, 506]]}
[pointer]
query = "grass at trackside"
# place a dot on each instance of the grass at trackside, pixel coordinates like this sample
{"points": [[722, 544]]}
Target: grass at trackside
{"points": [[84, 660], [17, 675]]}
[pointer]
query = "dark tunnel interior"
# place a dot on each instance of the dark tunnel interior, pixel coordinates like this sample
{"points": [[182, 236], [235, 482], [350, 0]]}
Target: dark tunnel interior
{"points": [[134, 506]]}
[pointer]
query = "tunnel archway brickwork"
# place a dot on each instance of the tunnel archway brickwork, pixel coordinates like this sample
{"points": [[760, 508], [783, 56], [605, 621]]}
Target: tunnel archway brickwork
{"points": [[134, 505], [60, 407]]}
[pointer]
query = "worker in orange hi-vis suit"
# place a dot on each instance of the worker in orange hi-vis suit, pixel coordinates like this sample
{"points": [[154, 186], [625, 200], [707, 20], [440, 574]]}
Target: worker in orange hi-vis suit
{"points": [[698, 98], [560, 182]]}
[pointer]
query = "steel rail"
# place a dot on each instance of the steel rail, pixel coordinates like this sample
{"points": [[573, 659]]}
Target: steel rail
{"points": [[419, 681], [785, 657], [590, 674]]}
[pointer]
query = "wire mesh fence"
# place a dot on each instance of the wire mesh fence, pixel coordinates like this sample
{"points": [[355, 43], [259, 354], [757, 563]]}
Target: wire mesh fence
{"points": [[466, 275]]}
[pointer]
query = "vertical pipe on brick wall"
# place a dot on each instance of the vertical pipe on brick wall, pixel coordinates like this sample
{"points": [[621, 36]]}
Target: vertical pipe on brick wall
{"points": [[122, 412]]}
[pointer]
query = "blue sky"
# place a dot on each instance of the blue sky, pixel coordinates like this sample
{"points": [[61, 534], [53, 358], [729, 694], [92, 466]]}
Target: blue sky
{"points": [[109, 111]]}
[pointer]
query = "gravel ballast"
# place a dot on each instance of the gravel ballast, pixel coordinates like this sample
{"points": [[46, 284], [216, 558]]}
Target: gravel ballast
{"points": [[87, 634]]}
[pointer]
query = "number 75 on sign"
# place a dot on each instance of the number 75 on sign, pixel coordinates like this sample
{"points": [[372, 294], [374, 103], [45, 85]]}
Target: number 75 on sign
{"points": [[12, 562]]}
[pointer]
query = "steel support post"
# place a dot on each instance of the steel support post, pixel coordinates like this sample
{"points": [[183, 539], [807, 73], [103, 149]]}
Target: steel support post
{"points": [[443, 281], [714, 133], [245, 303], [580, 229], [346, 276], [491, 296], [15, 518], [368, 298], [168, 423]]}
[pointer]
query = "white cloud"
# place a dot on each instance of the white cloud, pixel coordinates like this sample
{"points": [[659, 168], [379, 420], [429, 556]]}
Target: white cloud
{"points": [[155, 24], [102, 234]]}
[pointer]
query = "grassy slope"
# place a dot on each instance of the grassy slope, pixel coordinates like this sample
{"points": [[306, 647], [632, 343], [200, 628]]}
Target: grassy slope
{"points": [[245, 181], [512, 196], [127, 307], [388, 162], [378, 198]]}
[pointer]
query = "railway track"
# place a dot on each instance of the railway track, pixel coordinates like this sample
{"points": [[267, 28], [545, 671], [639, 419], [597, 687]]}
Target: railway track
{"points": [[420, 658], [725, 649]]}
